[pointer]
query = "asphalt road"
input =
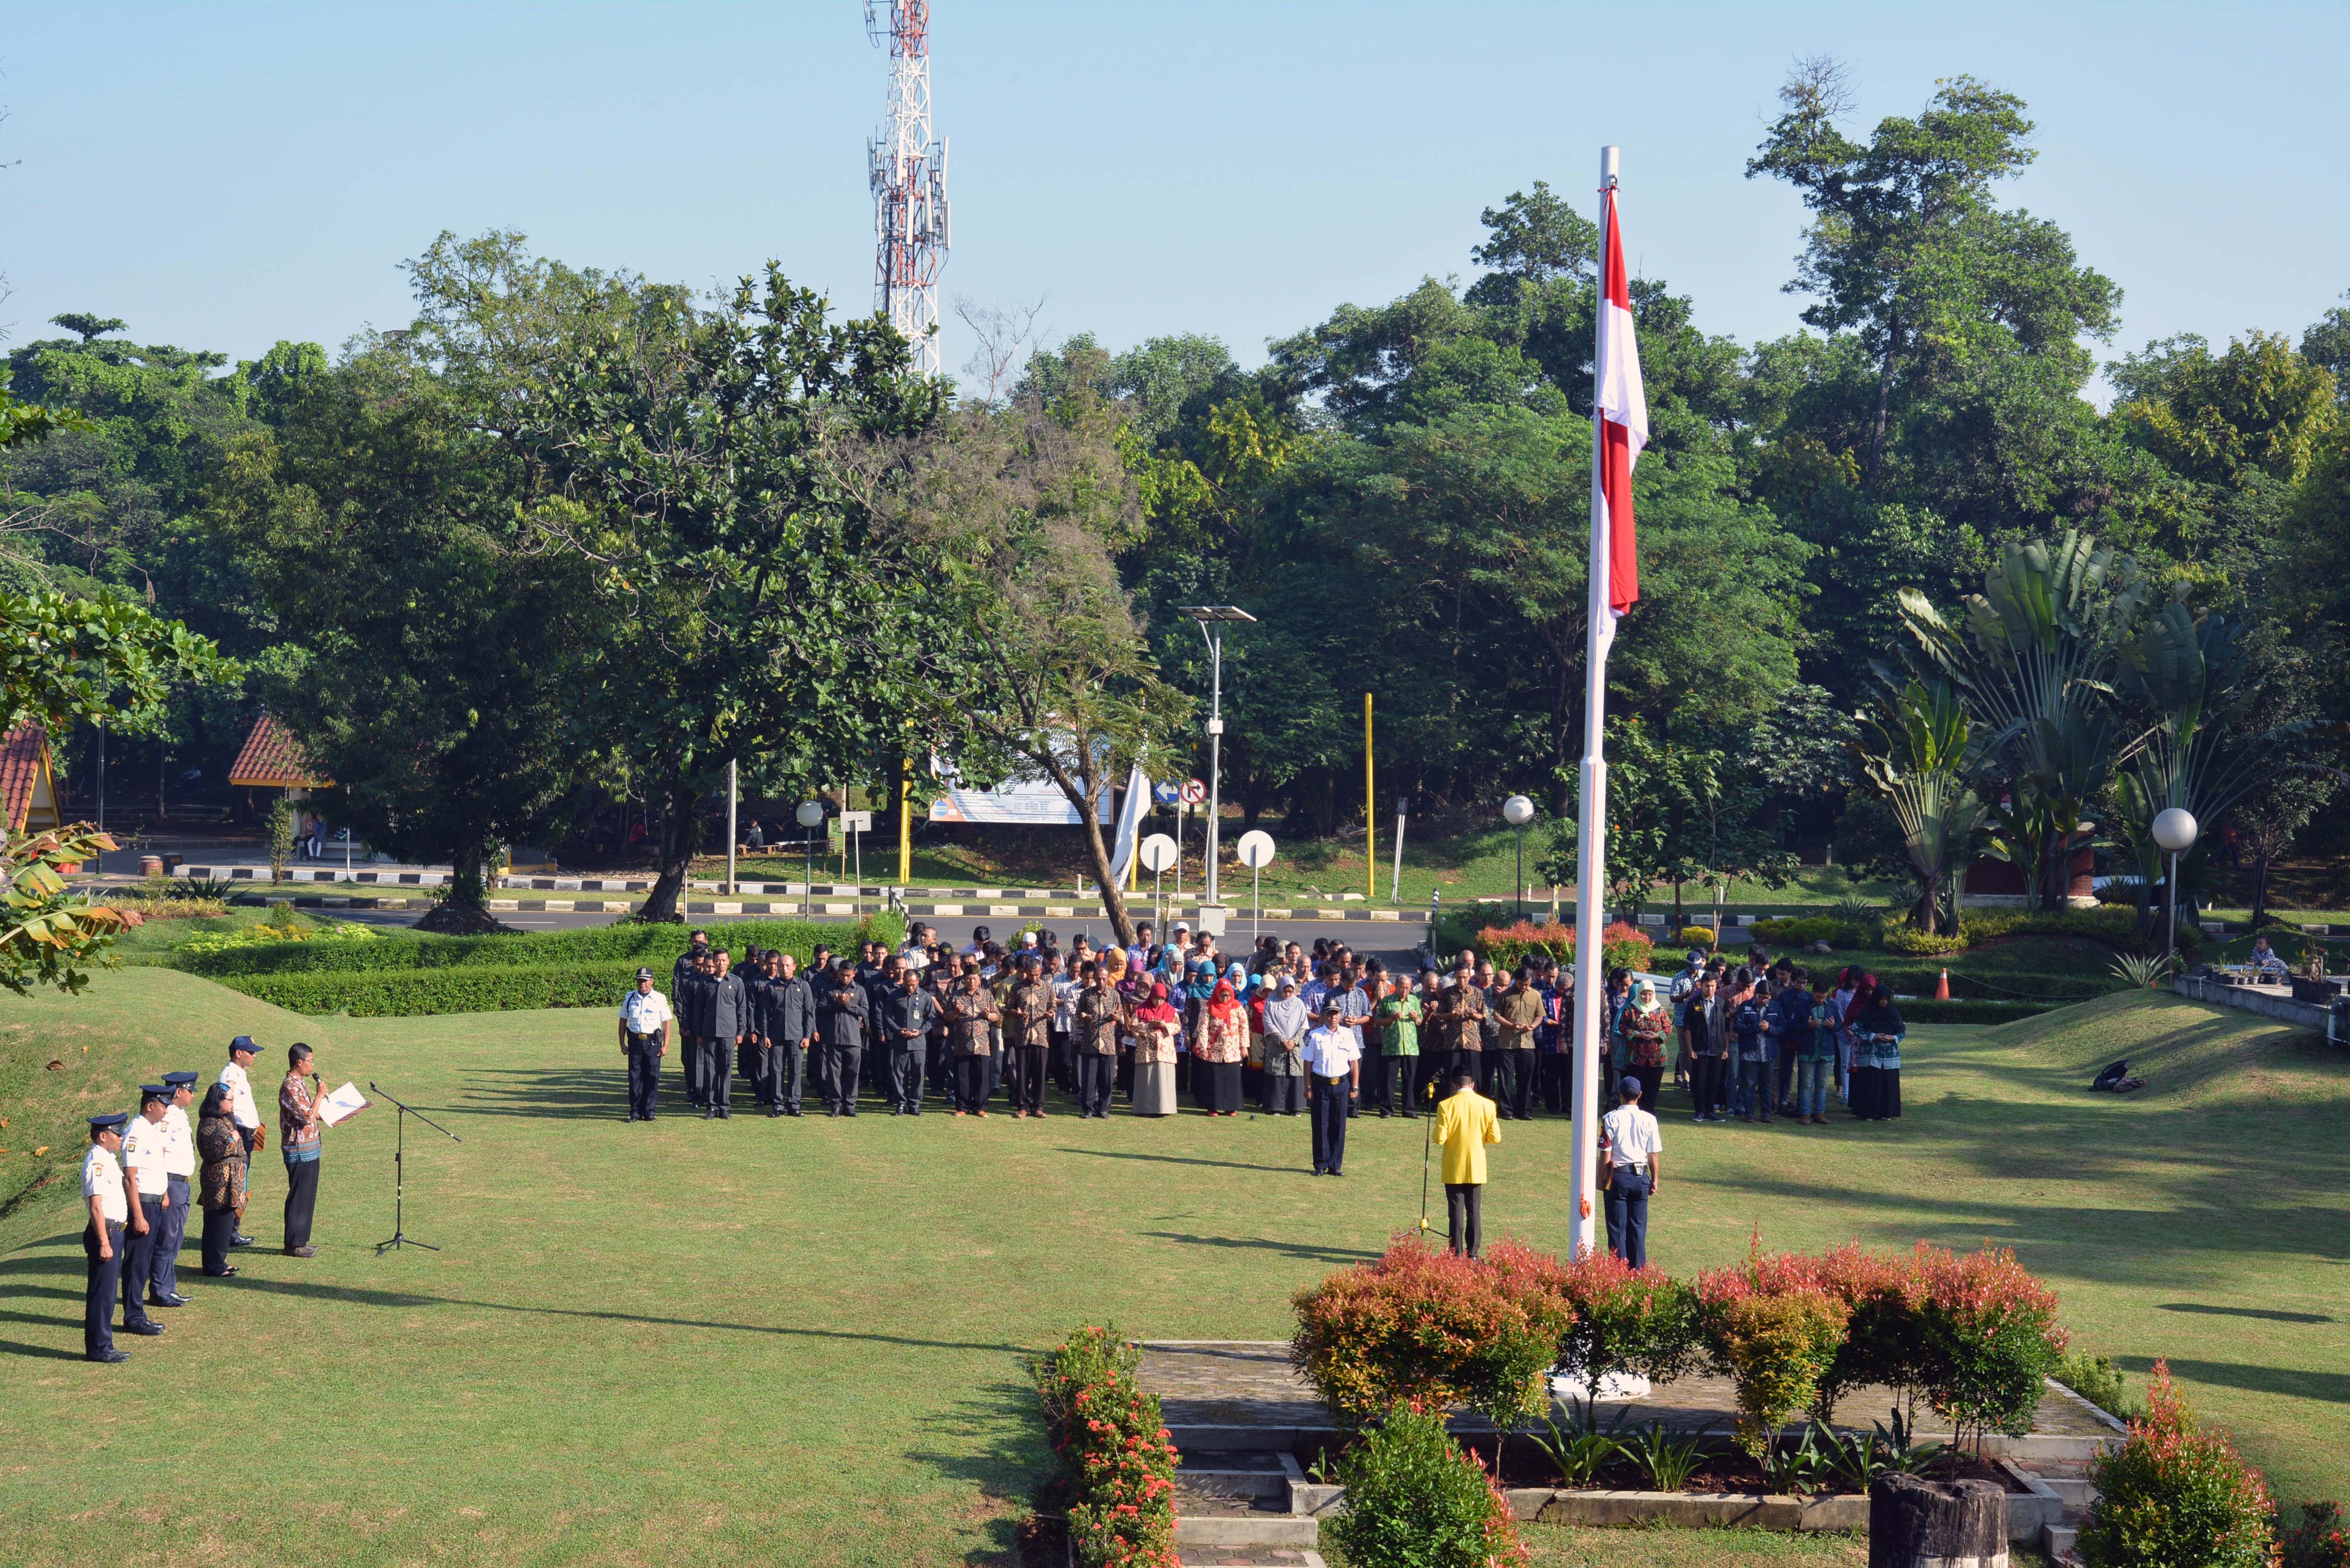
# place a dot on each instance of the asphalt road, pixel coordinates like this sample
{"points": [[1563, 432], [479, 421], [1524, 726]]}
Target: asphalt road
{"points": [[1377, 939]]}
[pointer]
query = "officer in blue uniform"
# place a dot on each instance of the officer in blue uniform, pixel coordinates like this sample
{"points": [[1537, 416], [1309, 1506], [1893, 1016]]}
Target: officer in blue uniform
{"points": [[143, 1160], [101, 1237]]}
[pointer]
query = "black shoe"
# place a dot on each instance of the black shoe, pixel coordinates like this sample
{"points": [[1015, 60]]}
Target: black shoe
{"points": [[791, 1110], [173, 1301], [775, 1111], [303, 1251], [146, 1326], [726, 1115], [218, 1274], [109, 1357], [240, 1240], [709, 1114], [897, 1110], [629, 1117]]}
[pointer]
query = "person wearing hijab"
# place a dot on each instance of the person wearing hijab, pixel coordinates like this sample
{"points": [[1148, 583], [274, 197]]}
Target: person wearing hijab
{"points": [[221, 1181], [1286, 1022], [1877, 1030], [1156, 1025], [1217, 1053], [1647, 1024]]}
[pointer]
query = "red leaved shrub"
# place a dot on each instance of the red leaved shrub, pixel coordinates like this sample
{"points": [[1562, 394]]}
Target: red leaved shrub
{"points": [[1421, 1325]]}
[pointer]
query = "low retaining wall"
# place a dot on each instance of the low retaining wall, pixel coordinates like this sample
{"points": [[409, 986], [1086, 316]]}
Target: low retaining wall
{"points": [[2268, 1001]]}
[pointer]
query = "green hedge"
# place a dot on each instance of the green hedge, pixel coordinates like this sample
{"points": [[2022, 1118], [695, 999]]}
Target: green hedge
{"points": [[633, 944], [420, 993], [1809, 928]]}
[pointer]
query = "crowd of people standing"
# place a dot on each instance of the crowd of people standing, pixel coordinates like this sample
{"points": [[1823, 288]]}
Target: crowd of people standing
{"points": [[983, 1024]]}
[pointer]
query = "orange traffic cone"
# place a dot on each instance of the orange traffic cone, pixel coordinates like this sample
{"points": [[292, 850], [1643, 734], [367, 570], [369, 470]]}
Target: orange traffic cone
{"points": [[1942, 987]]}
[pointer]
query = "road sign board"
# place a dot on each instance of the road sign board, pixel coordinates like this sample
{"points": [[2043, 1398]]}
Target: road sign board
{"points": [[1256, 849], [1158, 852], [1194, 792], [857, 820], [1166, 793]]}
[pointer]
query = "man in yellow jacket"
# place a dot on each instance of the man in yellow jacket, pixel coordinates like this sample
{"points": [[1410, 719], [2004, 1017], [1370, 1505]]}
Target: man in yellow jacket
{"points": [[1465, 1124]]}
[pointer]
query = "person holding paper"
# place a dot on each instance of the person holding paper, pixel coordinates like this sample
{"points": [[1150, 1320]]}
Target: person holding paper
{"points": [[298, 1137]]}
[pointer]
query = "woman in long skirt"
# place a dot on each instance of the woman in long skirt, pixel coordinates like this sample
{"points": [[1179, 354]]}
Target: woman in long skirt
{"points": [[1155, 1026], [1877, 1034], [1218, 1051]]}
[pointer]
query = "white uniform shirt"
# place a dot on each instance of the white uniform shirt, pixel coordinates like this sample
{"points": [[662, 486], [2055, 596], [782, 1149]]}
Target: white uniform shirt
{"points": [[1331, 1052], [913, 955], [645, 1012], [179, 1144], [102, 1178], [1632, 1136], [142, 1155], [241, 1109]]}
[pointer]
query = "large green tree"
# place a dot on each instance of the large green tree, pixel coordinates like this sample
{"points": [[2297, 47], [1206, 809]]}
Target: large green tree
{"points": [[443, 641]]}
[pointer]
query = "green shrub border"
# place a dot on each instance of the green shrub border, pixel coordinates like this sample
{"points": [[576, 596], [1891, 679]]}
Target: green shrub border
{"points": [[502, 974]]}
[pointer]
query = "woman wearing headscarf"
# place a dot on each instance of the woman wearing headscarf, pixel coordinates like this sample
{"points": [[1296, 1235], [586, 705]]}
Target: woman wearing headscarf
{"points": [[1648, 1025], [1877, 1030], [1286, 1022], [1217, 1053], [222, 1148], [1156, 1025]]}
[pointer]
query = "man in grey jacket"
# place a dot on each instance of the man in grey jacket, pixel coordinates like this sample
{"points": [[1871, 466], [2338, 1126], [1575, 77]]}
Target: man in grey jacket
{"points": [[728, 1007], [843, 1014], [789, 1025]]}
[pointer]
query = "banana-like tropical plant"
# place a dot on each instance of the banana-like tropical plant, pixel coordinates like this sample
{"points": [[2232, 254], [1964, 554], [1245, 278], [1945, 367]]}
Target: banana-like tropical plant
{"points": [[1926, 771], [2034, 665]]}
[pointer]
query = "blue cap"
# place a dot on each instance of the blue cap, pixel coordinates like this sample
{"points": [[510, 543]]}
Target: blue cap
{"points": [[110, 1121], [242, 1043], [1631, 1085], [153, 1092], [180, 1080]]}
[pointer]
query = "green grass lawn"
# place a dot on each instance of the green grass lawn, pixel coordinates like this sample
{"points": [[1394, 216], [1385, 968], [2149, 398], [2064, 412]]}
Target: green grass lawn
{"points": [[803, 1342]]}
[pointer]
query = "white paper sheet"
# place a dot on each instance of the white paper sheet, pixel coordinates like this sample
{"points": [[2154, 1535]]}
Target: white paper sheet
{"points": [[343, 1106]]}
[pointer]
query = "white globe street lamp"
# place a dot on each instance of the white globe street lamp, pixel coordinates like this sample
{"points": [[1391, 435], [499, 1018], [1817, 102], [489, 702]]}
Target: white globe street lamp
{"points": [[1517, 811], [811, 817], [2175, 830]]}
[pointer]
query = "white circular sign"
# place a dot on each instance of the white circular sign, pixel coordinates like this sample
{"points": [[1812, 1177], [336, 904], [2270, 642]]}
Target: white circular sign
{"points": [[1194, 792], [1255, 848], [811, 812], [1517, 811], [1158, 852]]}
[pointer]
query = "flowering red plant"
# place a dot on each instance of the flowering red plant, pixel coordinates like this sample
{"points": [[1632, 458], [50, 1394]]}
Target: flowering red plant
{"points": [[1114, 1448], [2175, 1495]]}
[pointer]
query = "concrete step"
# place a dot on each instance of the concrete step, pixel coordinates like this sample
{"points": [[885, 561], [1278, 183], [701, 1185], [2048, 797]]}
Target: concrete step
{"points": [[2057, 1543], [1261, 1530], [2076, 1490]]}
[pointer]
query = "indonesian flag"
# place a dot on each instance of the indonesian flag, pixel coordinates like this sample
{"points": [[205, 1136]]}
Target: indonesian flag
{"points": [[1622, 409]]}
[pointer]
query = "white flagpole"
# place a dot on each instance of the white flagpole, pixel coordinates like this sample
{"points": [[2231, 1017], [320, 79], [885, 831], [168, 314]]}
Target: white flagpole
{"points": [[1591, 829]]}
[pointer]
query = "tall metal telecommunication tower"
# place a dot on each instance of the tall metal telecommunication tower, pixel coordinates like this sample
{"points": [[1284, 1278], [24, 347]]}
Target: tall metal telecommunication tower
{"points": [[909, 183]]}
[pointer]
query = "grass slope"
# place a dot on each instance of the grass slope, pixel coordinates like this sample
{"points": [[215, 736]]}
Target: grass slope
{"points": [[803, 1341]]}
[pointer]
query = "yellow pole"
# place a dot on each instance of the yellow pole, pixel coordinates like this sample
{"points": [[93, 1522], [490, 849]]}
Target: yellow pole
{"points": [[1371, 812], [906, 824]]}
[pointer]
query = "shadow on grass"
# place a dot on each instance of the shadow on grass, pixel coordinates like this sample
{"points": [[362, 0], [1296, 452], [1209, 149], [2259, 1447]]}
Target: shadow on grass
{"points": [[410, 1299], [2334, 1388], [38, 1352], [1183, 1160], [1287, 1249], [2268, 1314], [1008, 1464]]}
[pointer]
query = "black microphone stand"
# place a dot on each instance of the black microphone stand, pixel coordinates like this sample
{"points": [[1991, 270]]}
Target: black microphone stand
{"points": [[399, 1173]]}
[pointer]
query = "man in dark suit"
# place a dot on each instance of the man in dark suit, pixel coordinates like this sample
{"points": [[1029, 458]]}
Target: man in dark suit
{"points": [[727, 1007], [843, 1014], [789, 1026], [907, 1014]]}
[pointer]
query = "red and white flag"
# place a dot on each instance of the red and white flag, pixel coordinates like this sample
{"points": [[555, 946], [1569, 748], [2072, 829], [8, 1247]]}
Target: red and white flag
{"points": [[1622, 409]]}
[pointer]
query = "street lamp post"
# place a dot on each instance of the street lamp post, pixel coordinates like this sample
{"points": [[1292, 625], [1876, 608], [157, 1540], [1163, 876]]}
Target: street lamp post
{"points": [[1517, 811], [810, 816], [2175, 830], [1212, 619]]}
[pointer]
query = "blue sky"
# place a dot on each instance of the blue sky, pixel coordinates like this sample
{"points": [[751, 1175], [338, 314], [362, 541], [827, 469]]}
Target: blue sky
{"points": [[226, 175]]}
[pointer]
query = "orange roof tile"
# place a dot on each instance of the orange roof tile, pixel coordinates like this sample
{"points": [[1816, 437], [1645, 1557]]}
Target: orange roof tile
{"points": [[23, 755], [274, 758]]}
